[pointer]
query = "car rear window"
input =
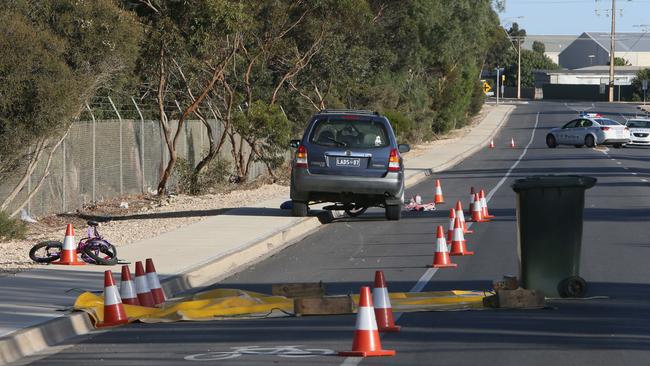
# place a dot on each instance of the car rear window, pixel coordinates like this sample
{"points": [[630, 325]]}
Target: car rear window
{"points": [[638, 124], [607, 122], [351, 133]]}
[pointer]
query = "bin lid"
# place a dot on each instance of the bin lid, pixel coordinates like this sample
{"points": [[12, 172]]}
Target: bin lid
{"points": [[553, 181]]}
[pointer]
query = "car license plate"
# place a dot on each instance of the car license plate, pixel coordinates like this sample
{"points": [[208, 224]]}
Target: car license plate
{"points": [[351, 162]]}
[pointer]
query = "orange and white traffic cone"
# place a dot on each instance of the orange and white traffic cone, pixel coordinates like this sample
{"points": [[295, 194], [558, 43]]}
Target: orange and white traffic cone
{"points": [[461, 216], [127, 288], [512, 142], [438, 197], [486, 213], [477, 213], [114, 313], [441, 257], [458, 244], [366, 341], [452, 218], [491, 144], [383, 308], [472, 192], [142, 287], [154, 284], [69, 249]]}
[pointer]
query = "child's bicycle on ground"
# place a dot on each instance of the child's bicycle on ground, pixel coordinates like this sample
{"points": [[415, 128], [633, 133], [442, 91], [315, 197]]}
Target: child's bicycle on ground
{"points": [[94, 249]]}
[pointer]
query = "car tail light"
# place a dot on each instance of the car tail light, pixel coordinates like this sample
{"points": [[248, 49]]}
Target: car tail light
{"points": [[605, 128], [301, 157], [393, 161]]}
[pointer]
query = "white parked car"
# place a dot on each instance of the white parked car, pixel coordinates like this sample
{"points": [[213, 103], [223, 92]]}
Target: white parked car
{"points": [[589, 132], [639, 131]]}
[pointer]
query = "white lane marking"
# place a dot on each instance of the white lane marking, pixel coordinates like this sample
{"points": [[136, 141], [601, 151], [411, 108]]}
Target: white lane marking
{"points": [[619, 163], [633, 173], [644, 180], [626, 168], [505, 177], [428, 274]]}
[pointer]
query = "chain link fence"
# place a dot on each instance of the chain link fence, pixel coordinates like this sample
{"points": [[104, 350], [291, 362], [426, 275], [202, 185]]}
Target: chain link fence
{"points": [[106, 158]]}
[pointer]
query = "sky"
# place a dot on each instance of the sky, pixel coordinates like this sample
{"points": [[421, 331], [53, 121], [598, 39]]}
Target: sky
{"points": [[572, 17]]}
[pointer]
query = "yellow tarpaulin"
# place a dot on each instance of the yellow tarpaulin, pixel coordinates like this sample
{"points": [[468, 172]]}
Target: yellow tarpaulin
{"points": [[230, 303]]}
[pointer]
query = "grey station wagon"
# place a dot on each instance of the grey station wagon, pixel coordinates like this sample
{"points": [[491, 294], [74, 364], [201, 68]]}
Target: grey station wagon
{"points": [[350, 158]]}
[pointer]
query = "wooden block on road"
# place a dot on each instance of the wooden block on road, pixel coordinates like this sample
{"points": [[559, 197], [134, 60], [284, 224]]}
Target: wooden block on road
{"points": [[516, 299], [327, 305], [298, 289]]}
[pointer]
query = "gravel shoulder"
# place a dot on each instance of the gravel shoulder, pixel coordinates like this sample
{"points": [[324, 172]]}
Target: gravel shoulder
{"points": [[150, 216]]}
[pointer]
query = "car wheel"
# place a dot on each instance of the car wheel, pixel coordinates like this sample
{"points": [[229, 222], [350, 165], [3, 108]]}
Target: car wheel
{"points": [[299, 209], [578, 146], [393, 212], [590, 141], [574, 286], [617, 146], [550, 141]]}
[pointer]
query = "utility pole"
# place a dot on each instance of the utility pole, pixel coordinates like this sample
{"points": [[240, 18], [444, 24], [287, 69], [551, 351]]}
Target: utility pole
{"points": [[518, 67], [612, 51]]}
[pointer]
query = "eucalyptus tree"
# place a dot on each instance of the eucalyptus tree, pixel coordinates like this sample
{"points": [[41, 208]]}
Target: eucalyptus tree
{"points": [[56, 55]]}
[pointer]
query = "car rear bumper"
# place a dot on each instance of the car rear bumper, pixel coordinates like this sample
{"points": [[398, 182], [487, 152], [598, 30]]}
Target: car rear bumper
{"points": [[310, 187], [615, 141]]}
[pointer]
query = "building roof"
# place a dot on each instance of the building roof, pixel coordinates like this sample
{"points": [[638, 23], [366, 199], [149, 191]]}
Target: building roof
{"points": [[600, 69], [625, 42], [552, 43]]}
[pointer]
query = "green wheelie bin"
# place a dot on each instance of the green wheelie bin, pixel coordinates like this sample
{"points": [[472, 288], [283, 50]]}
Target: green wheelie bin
{"points": [[549, 232]]}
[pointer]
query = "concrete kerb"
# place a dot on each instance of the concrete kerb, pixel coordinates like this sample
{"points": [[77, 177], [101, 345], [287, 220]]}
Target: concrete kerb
{"points": [[37, 338]]}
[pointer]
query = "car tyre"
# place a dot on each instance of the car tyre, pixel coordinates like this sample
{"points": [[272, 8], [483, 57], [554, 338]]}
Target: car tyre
{"points": [[590, 141], [617, 146], [299, 209], [550, 141], [393, 212]]}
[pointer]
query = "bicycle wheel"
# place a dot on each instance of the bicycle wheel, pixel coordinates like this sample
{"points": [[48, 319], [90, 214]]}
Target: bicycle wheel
{"points": [[101, 252], [46, 251]]}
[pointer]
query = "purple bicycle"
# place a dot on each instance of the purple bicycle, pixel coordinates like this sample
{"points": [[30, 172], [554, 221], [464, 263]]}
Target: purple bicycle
{"points": [[94, 249]]}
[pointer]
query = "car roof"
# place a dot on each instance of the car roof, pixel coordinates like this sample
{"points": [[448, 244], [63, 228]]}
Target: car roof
{"points": [[357, 112]]}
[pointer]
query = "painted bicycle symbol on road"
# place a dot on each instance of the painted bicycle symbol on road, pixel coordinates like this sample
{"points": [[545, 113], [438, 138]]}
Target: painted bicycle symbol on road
{"points": [[281, 351]]}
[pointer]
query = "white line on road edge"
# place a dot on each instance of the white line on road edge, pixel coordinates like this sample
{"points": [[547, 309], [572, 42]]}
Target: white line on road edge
{"points": [[428, 274]]}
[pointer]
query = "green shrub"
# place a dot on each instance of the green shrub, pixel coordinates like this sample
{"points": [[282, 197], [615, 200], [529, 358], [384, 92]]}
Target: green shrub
{"points": [[12, 228], [401, 124], [214, 174]]}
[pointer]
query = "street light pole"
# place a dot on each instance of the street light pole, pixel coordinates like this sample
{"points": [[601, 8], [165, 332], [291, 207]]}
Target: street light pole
{"points": [[497, 91], [612, 51]]}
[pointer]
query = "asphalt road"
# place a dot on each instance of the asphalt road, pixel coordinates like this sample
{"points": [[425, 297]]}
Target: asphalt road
{"points": [[610, 327]]}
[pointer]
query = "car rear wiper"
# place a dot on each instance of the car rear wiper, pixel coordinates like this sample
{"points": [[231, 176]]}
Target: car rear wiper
{"points": [[340, 143]]}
